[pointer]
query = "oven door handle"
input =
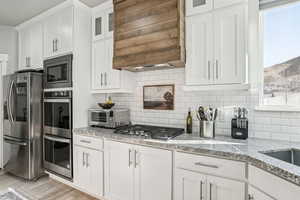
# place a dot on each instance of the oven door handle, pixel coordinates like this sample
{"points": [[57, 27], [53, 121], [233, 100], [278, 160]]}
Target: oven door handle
{"points": [[57, 139], [57, 100]]}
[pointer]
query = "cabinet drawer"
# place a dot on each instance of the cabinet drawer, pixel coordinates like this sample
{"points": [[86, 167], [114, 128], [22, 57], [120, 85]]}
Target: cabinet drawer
{"points": [[89, 142], [210, 165]]}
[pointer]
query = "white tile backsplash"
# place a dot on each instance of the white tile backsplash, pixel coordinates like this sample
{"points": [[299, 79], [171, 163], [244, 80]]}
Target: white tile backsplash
{"points": [[271, 125]]}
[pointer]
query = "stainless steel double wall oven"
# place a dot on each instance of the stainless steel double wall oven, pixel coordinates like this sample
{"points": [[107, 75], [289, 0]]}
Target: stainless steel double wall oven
{"points": [[57, 124]]}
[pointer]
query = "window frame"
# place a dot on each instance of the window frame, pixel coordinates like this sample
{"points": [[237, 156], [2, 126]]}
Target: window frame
{"points": [[262, 106]]}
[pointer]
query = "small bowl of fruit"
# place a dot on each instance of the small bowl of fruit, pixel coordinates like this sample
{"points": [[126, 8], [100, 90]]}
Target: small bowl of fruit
{"points": [[107, 105]]}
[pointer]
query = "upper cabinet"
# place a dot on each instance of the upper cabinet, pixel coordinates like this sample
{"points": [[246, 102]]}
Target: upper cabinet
{"points": [[103, 23], [149, 33], [58, 33], [31, 46], [216, 48], [104, 78], [194, 7]]}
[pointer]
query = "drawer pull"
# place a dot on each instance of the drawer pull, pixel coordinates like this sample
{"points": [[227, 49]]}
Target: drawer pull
{"points": [[206, 165], [85, 141]]}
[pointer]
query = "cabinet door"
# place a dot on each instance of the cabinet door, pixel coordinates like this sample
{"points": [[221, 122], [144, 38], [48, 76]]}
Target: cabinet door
{"points": [[119, 174], [24, 48], [89, 170], [230, 45], [224, 189], [153, 174], [112, 77], [65, 31], [255, 194], [50, 35], [36, 45], [81, 172], [198, 6], [199, 44], [189, 185], [98, 26], [99, 65]]}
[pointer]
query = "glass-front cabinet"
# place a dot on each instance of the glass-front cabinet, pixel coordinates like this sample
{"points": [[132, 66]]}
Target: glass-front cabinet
{"points": [[103, 24]]}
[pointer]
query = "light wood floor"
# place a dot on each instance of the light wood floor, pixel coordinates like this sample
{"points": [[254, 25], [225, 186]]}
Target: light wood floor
{"points": [[43, 189]]}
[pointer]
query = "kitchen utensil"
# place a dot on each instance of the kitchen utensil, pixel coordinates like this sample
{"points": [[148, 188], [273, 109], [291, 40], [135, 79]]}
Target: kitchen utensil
{"points": [[201, 112]]}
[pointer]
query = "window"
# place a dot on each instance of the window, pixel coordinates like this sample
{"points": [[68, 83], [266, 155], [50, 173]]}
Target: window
{"points": [[281, 55]]}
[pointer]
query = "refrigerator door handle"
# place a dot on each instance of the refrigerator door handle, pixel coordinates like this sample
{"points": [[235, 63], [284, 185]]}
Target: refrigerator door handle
{"points": [[15, 142], [10, 116]]}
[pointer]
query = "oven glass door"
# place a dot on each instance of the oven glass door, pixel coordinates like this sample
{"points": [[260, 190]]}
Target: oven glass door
{"points": [[58, 155], [57, 117]]}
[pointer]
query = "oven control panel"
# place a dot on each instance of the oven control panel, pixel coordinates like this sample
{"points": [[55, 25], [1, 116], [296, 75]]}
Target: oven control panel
{"points": [[58, 94]]}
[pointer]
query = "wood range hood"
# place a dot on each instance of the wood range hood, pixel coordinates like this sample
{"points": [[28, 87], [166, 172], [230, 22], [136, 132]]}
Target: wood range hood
{"points": [[149, 34]]}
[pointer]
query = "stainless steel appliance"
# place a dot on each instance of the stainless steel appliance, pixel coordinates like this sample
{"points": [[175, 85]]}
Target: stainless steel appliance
{"points": [[146, 131], [108, 118], [58, 133], [22, 123], [58, 72]]}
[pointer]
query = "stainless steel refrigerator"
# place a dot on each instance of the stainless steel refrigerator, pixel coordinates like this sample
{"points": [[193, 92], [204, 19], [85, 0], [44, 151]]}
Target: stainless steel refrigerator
{"points": [[22, 123]]}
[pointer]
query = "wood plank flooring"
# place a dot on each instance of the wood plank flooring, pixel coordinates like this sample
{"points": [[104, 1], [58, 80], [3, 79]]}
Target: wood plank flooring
{"points": [[43, 189]]}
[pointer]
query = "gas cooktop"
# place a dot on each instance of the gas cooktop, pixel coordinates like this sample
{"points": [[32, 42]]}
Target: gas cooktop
{"points": [[153, 132]]}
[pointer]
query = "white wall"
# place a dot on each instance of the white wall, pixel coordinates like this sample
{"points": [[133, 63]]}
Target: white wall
{"points": [[9, 45]]}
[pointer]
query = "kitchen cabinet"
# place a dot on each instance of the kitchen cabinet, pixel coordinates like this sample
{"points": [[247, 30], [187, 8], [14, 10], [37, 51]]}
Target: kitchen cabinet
{"points": [[190, 185], [58, 33], [31, 46], [199, 66], [208, 178], [136, 172], [194, 7], [103, 22], [255, 194], [216, 46], [88, 166], [103, 75], [261, 179]]}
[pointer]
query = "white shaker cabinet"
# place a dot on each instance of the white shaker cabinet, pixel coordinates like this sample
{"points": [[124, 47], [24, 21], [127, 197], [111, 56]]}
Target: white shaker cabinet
{"points": [[89, 174], [88, 165], [103, 22], [119, 171], [137, 173], [31, 46], [230, 45], [199, 65], [216, 47], [103, 75], [189, 185], [58, 33]]}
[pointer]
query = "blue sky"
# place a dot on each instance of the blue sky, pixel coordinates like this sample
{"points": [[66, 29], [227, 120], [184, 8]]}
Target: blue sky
{"points": [[281, 34]]}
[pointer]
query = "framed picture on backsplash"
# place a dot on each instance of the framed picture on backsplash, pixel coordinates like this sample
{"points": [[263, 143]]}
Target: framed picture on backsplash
{"points": [[158, 97]]}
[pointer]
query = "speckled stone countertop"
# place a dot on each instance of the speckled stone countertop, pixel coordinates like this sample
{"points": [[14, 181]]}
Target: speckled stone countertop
{"points": [[221, 147]]}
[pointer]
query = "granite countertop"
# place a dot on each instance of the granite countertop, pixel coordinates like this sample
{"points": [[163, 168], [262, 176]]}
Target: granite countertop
{"points": [[221, 147]]}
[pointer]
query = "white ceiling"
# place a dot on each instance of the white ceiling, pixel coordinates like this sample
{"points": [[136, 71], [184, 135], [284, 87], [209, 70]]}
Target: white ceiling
{"points": [[14, 12]]}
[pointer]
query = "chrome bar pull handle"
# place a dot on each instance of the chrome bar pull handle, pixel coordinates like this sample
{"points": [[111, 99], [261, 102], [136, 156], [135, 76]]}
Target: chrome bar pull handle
{"points": [[201, 191], [105, 78], [87, 160], [101, 79], [206, 165], [136, 163], [208, 70], [83, 160], [129, 157], [217, 69], [210, 191]]}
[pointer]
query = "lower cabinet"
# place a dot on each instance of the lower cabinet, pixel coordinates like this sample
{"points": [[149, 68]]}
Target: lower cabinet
{"points": [[196, 186], [137, 173], [88, 170], [255, 194]]}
